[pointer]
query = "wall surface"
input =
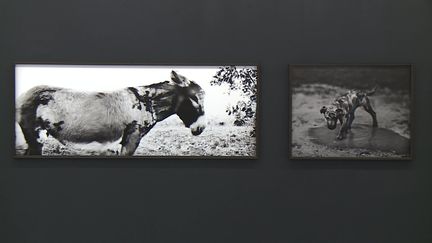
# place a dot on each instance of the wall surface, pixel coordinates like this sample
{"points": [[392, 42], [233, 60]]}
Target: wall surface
{"points": [[271, 199]]}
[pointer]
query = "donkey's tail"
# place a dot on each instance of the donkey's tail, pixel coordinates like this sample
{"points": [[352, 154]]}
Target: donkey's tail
{"points": [[372, 91], [28, 102]]}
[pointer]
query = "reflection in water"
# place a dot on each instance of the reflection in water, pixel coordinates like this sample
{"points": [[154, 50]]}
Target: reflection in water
{"points": [[363, 137]]}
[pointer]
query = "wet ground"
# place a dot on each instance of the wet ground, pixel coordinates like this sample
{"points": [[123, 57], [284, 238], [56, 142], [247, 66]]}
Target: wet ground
{"points": [[361, 137], [311, 138]]}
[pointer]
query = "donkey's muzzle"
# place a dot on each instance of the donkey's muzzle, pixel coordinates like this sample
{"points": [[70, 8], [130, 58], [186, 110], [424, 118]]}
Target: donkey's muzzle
{"points": [[197, 130], [198, 126]]}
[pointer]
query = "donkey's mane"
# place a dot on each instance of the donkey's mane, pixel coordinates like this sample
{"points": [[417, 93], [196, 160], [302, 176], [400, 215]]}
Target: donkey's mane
{"points": [[157, 85]]}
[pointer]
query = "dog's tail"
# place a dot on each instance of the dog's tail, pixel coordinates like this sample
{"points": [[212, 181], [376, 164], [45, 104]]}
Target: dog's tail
{"points": [[372, 91]]}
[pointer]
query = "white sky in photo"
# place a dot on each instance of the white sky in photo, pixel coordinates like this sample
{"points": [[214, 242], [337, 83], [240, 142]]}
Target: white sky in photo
{"points": [[114, 77]]}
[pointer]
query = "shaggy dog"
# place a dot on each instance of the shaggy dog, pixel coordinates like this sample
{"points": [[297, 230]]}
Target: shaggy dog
{"points": [[343, 108]]}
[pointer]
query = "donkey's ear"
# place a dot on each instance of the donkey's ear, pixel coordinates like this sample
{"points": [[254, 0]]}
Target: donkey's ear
{"points": [[179, 79], [323, 110]]}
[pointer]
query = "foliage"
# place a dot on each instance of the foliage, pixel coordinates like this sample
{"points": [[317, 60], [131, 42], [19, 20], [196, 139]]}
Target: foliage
{"points": [[244, 80]]}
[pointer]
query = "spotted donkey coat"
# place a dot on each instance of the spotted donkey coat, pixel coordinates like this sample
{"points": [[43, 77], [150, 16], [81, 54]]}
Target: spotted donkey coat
{"points": [[343, 108], [129, 114]]}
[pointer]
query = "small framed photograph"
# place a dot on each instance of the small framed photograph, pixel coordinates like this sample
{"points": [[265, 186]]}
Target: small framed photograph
{"points": [[152, 111], [351, 112]]}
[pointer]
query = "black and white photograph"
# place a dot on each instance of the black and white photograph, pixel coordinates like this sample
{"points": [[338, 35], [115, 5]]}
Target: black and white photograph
{"points": [[351, 111], [135, 110]]}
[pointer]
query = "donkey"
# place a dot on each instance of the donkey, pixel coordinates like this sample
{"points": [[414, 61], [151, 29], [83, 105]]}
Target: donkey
{"points": [[129, 114]]}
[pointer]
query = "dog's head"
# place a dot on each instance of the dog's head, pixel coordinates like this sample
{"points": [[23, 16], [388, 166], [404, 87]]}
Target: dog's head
{"points": [[331, 114]]}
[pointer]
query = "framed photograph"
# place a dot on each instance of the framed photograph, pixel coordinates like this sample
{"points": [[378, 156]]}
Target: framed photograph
{"points": [[351, 112], [154, 111]]}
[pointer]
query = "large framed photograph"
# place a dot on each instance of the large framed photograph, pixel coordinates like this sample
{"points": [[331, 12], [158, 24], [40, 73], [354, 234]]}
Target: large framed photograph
{"points": [[160, 111], [351, 112]]}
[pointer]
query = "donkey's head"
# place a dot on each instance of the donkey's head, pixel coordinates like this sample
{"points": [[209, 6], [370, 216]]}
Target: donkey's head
{"points": [[190, 103]]}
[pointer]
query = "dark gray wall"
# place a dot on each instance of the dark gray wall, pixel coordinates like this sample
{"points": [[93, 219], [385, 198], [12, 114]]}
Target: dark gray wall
{"points": [[272, 199]]}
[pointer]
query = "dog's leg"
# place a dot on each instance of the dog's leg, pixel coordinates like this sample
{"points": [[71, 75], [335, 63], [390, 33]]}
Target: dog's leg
{"points": [[341, 120], [368, 109], [344, 128], [351, 119]]}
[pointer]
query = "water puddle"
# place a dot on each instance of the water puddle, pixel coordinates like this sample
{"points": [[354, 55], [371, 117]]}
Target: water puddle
{"points": [[362, 137]]}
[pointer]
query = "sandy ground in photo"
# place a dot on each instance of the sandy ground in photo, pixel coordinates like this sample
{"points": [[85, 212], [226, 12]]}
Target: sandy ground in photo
{"points": [[392, 110]]}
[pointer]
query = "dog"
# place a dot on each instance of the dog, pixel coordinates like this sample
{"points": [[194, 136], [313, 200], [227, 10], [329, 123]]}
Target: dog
{"points": [[343, 108]]}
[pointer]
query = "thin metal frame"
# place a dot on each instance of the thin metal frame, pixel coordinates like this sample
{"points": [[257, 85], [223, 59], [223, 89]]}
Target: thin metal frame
{"points": [[411, 116], [161, 157]]}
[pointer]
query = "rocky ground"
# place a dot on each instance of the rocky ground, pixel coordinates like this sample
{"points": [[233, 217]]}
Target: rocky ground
{"points": [[168, 138]]}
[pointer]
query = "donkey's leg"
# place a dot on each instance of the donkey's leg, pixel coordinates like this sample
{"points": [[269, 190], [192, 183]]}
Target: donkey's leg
{"points": [[132, 136], [31, 136]]}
